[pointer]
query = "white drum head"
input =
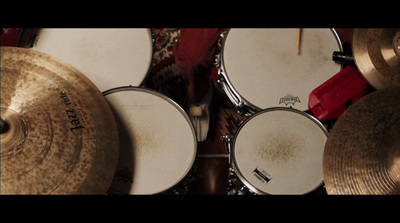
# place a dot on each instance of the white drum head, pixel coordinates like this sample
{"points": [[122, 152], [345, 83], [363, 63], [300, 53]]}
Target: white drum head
{"points": [[108, 57], [264, 68], [280, 151], [157, 142]]}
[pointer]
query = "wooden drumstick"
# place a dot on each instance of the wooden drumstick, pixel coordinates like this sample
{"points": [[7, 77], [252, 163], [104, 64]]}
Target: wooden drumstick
{"points": [[298, 40]]}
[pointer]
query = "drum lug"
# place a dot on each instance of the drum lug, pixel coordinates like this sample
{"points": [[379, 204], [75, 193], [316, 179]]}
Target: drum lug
{"points": [[228, 144], [243, 191], [232, 179]]}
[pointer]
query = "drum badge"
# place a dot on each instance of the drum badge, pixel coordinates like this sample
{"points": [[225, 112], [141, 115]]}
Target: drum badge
{"points": [[289, 99], [262, 175]]}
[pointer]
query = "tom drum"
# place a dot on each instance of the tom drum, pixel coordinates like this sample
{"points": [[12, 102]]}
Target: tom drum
{"points": [[158, 143], [108, 57], [279, 151], [260, 68]]}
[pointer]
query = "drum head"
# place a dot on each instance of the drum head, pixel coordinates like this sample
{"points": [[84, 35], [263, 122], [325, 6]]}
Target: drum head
{"points": [[157, 141], [264, 68], [280, 151], [108, 57]]}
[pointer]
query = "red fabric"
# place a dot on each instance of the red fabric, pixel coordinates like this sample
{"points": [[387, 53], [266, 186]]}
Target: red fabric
{"points": [[10, 36], [345, 34], [194, 55]]}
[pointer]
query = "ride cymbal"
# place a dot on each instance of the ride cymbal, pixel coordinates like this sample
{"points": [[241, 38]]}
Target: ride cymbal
{"points": [[362, 153], [59, 135], [377, 55]]}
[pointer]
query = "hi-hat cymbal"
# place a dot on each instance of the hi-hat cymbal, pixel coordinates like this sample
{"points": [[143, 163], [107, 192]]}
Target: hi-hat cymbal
{"points": [[362, 153], [377, 55], [59, 134]]}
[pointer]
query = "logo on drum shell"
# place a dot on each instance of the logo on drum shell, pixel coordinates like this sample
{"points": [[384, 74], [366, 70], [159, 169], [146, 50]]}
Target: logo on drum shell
{"points": [[289, 99], [262, 175]]}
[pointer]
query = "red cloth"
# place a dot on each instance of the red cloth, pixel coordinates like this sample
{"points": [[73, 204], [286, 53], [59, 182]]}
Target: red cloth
{"points": [[345, 34], [194, 52], [10, 36]]}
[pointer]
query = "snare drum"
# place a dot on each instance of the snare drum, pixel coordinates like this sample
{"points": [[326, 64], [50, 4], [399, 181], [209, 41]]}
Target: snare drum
{"points": [[260, 68], [108, 57], [279, 151], [158, 143]]}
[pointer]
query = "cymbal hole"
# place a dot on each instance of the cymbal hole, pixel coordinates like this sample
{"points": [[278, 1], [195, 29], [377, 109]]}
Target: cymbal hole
{"points": [[4, 126]]}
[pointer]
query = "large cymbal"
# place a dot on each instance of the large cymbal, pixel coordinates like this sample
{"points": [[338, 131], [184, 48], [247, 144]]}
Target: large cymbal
{"points": [[377, 55], [362, 153], [60, 135]]}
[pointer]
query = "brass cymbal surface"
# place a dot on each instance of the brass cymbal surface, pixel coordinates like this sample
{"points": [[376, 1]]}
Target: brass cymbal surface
{"points": [[59, 134], [377, 55], [362, 153]]}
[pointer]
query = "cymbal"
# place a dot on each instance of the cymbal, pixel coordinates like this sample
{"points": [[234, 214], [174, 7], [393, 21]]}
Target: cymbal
{"points": [[377, 56], [59, 135], [362, 153]]}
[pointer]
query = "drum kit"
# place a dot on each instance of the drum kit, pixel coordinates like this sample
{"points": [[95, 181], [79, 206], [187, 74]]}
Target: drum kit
{"points": [[75, 118]]}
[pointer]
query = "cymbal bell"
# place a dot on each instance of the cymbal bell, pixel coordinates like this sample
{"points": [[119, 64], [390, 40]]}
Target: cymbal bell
{"points": [[58, 134], [362, 153], [377, 56]]}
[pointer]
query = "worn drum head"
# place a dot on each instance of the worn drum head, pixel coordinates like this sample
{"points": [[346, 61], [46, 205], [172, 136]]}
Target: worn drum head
{"points": [[157, 141], [280, 151], [108, 57], [264, 68]]}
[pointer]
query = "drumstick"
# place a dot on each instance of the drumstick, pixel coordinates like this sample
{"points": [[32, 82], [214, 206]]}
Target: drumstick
{"points": [[298, 40]]}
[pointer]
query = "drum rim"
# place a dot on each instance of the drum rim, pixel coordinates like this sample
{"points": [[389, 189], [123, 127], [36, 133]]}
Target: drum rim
{"points": [[181, 110], [224, 78], [272, 109]]}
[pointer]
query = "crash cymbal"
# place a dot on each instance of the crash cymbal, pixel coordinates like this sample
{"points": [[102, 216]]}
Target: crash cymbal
{"points": [[362, 153], [377, 55], [59, 135]]}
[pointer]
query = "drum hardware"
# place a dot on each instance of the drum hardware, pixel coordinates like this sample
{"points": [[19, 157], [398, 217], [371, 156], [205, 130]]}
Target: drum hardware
{"points": [[377, 55], [362, 152], [233, 96], [344, 57], [232, 180], [228, 144], [241, 105], [58, 132], [183, 187]]}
